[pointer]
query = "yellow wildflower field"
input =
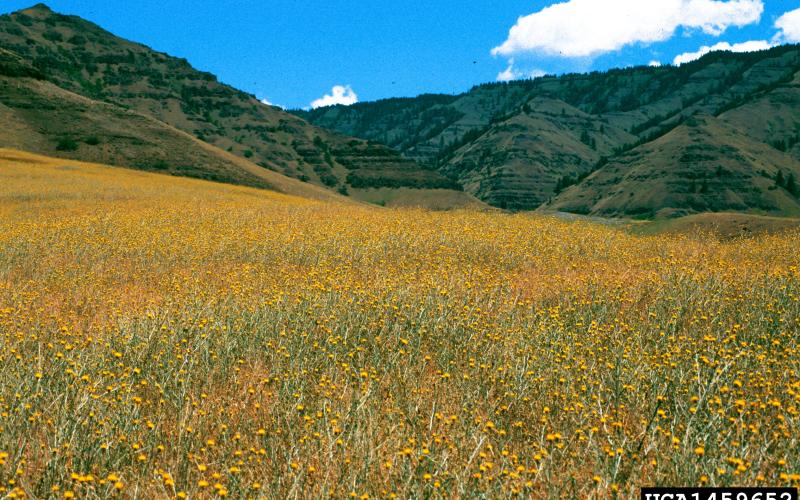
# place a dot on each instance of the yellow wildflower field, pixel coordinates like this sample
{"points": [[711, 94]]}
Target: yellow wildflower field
{"points": [[164, 337]]}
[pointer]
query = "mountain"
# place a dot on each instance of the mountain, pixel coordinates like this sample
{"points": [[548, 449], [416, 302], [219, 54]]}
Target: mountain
{"points": [[117, 96], [711, 135]]}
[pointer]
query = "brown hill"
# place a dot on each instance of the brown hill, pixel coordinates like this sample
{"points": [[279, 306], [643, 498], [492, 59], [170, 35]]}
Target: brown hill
{"points": [[37, 115], [706, 165], [86, 60], [521, 144]]}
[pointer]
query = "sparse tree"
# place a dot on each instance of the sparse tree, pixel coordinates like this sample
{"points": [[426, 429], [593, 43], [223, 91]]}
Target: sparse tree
{"points": [[791, 184], [779, 180]]}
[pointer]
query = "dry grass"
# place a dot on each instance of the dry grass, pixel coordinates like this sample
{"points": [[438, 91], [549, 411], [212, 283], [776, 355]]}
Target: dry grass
{"points": [[724, 226], [166, 337], [432, 199]]}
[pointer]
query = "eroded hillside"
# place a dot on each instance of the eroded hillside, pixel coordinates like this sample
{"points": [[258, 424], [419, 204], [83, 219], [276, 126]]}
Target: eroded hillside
{"points": [[521, 144]]}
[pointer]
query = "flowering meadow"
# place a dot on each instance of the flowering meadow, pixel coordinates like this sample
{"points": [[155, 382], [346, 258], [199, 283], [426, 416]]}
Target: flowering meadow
{"points": [[172, 338]]}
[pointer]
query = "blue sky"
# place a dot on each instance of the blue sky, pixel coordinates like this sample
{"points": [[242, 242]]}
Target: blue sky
{"points": [[293, 52]]}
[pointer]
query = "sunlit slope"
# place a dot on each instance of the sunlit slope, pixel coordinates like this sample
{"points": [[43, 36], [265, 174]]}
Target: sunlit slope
{"points": [[46, 119], [705, 166], [722, 225], [70, 184], [40, 117], [169, 337], [431, 199]]}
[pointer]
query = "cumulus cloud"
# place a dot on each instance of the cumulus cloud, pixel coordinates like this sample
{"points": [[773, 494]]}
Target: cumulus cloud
{"points": [[586, 28], [508, 74], [750, 46], [654, 63], [340, 94], [512, 73], [268, 103], [789, 27]]}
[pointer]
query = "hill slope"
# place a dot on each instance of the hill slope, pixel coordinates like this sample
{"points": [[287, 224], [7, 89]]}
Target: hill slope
{"points": [[705, 166], [519, 144], [41, 117], [86, 60]]}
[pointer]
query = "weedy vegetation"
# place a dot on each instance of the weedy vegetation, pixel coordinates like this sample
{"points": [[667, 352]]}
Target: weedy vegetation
{"points": [[168, 337]]}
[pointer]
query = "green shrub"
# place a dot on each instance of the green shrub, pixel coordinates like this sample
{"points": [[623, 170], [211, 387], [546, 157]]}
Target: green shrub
{"points": [[791, 185], [67, 144], [53, 36]]}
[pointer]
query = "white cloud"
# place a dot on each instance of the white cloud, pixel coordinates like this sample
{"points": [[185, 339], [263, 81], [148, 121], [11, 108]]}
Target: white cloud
{"points": [[654, 63], [508, 74], [512, 73], [268, 103], [586, 28], [750, 46], [340, 94], [789, 26]]}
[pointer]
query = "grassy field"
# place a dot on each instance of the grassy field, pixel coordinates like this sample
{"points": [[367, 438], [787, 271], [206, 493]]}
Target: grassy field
{"points": [[169, 337], [722, 225]]}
